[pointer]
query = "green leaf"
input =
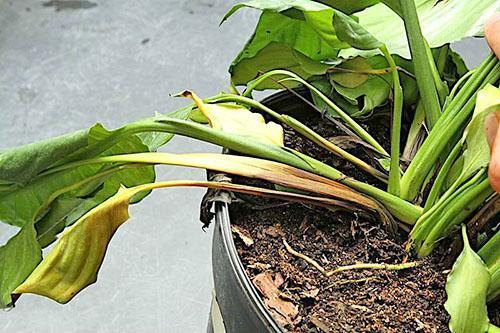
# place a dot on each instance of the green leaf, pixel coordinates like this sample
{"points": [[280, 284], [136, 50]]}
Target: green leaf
{"points": [[20, 164], [328, 90], [442, 22], [371, 90], [18, 258], [154, 140], [351, 32], [466, 288], [26, 203], [281, 42]]}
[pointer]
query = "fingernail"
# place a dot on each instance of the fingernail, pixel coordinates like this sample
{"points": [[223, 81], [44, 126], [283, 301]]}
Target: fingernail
{"points": [[491, 124]]}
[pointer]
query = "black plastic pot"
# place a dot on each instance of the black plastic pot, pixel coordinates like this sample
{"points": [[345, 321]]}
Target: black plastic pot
{"points": [[236, 305]]}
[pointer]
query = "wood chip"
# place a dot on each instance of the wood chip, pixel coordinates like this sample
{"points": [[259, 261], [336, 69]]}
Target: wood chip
{"points": [[287, 312], [242, 234]]}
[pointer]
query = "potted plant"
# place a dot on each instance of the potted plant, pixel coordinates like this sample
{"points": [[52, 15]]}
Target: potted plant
{"points": [[402, 206]]}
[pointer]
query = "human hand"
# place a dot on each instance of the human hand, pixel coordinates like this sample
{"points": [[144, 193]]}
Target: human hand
{"points": [[492, 34]]}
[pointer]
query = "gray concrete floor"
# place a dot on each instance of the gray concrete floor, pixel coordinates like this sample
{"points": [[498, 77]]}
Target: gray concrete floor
{"points": [[117, 62]]}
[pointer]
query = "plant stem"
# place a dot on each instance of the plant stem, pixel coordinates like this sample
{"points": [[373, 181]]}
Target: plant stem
{"points": [[401, 209], [442, 177], [394, 186], [447, 128], [415, 134], [421, 62], [454, 214], [344, 116]]}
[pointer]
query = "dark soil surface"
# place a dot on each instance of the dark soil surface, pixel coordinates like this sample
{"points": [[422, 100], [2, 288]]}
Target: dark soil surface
{"points": [[302, 299]]}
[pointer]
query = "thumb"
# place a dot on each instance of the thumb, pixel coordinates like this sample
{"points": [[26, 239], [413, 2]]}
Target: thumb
{"points": [[492, 33], [493, 133]]}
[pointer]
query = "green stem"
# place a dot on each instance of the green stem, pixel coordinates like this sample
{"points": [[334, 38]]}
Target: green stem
{"points": [[447, 128], [403, 210], [344, 116], [455, 213], [442, 177], [415, 136], [427, 220], [421, 62], [394, 186]]}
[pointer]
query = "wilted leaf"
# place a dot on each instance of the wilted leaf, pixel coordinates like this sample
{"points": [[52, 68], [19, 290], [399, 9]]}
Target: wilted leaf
{"points": [[27, 203], [235, 119], [18, 258], [466, 288], [74, 261], [20, 164]]}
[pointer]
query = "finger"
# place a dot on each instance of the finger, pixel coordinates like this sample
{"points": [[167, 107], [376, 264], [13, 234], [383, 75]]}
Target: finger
{"points": [[492, 33], [494, 167], [492, 125]]}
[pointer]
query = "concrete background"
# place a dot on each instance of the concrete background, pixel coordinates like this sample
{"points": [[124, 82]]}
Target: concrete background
{"points": [[63, 69]]}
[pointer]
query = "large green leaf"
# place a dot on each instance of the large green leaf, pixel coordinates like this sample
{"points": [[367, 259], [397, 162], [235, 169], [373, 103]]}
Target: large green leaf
{"points": [[20, 164], [281, 42], [466, 288], [18, 258], [442, 22], [26, 203]]}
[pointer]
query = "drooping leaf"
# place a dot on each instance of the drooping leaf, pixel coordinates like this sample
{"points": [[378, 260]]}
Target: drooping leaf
{"points": [[235, 119], [20, 164], [154, 140], [325, 86], [366, 91], [18, 257], [26, 203], [466, 287], [73, 263]]}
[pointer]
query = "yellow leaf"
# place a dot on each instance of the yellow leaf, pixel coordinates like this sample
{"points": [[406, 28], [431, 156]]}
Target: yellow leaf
{"points": [[74, 261], [235, 119]]}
